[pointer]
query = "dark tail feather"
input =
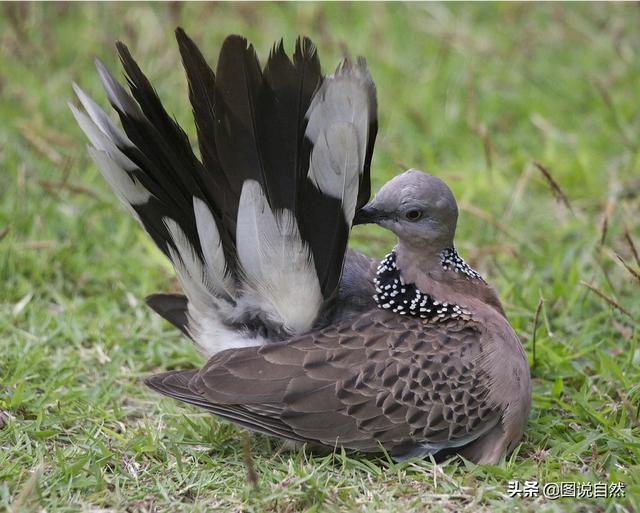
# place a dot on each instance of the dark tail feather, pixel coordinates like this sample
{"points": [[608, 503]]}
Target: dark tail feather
{"points": [[158, 136], [260, 117], [285, 98], [171, 307], [364, 193], [202, 82], [261, 121], [289, 89], [323, 226], [238, 84]]}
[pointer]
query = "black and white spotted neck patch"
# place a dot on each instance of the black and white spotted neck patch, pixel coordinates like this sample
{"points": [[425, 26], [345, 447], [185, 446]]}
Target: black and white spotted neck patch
{"points": [[450, 260], [392, 293]]}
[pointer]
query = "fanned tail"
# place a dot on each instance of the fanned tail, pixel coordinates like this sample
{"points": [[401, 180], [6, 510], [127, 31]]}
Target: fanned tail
{"points": [[257, 229]]}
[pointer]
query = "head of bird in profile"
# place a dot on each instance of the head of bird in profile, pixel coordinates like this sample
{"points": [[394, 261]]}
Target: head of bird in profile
{"points": [[419, 208]]}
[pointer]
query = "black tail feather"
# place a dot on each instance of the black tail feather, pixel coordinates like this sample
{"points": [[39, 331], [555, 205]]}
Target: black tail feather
{"points": [[286, 96], [364, 193], [171, 307], [238, 83], [202, 83]]}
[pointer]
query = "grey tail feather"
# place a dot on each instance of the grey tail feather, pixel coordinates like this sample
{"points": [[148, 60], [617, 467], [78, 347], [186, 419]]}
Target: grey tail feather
{"points": [[172, 308]]}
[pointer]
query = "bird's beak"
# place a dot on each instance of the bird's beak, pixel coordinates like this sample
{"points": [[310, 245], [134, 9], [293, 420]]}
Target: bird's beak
{"points": [[367, 215]]}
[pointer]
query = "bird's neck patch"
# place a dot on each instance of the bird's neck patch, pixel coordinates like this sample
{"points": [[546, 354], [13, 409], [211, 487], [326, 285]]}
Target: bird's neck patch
{"points": [[392, 293], [451, 261]]}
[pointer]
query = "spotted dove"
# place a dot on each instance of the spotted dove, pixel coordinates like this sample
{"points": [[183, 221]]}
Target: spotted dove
{"points": [[305, 339]]}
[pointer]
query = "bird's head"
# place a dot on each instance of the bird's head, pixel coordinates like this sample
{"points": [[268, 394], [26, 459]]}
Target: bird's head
{"points": [[419, 208]]}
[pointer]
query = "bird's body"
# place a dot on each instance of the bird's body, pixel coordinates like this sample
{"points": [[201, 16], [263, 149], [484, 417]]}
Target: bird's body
{"points": [[307, 340]]}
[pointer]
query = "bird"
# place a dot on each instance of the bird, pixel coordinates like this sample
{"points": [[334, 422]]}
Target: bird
{"points": [[305, 339]]}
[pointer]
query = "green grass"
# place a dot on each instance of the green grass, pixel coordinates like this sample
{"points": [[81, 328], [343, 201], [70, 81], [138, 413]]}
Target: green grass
{"points": [[472, 93]]}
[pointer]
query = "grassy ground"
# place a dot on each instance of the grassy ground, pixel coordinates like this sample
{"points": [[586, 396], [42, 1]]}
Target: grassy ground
{"points": [[473, 93]]}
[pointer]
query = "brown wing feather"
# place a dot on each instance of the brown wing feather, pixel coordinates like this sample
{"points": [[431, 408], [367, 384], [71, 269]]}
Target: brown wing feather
{"points": [[377, 379], [259, 418]]}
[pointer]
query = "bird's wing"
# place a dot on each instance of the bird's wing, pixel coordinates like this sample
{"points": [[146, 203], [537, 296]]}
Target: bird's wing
{"points": [[376, 380]]}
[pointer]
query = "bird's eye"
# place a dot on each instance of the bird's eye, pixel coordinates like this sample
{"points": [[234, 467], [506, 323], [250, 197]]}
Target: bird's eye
{"points": [[413, 215]]}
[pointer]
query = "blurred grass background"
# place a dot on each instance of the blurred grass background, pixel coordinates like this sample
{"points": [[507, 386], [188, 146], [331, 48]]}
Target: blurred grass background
{"points": [[474, 93]]}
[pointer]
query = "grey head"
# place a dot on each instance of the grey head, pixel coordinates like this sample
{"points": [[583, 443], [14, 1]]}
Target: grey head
{"points": [[419, 208]]}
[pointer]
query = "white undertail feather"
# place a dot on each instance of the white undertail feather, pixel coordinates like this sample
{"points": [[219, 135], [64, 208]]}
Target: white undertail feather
{"points": [[100, 118], [207, 311], [216, 269], [278, 270], [212, 335], [114, 165], [343, 100], [189, 268], [129, 190], [117, 94], [100, 140]]}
